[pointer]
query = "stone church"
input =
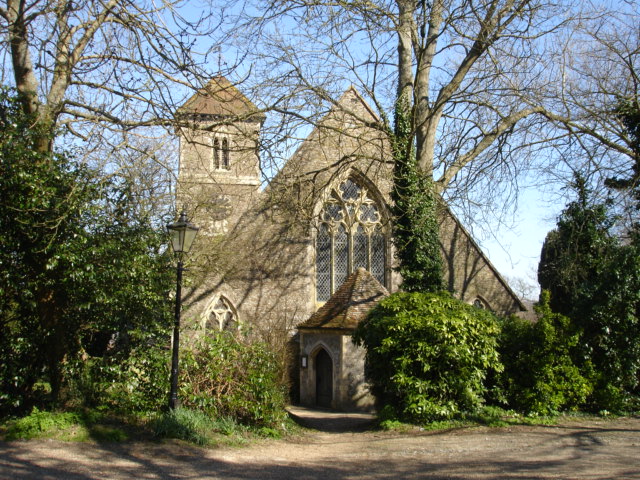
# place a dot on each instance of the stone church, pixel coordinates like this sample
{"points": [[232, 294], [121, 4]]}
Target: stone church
{"points": [[302, 260]]}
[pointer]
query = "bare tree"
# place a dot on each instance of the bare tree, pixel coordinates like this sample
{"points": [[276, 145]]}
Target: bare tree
{"points": [[462, 67], [102, 69], [595, 79]]}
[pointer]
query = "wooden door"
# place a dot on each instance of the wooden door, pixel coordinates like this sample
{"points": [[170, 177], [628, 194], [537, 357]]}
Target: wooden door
{"points": [[324, 379]]}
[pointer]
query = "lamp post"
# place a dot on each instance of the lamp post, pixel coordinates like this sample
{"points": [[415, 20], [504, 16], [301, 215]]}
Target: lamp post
{"points": [[182, 235]]}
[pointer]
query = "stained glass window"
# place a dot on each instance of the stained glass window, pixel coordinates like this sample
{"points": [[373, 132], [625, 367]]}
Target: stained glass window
{"points": [[350, 236]]}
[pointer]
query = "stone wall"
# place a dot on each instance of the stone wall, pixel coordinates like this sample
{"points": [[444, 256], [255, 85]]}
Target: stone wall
{"points": [[262, 257], [350, 390]]}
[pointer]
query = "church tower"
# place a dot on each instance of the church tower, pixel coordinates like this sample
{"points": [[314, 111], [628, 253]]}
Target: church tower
{"points": [[219, 173]]}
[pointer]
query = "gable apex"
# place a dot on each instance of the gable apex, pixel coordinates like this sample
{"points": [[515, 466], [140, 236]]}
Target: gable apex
{"points": [[351, 101], [220, 98]]}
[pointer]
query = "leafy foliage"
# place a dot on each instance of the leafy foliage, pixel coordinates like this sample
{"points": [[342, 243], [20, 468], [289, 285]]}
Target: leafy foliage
{"points": [[135, 381], [415, 227], [611, 335], [576, 253], [428, 354], [82, 276], [595, 280], [540, 376], [223, 376]]}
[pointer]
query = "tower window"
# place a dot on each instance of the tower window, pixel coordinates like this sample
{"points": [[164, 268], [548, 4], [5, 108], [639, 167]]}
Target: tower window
{"points": [[225, 154], [350, 236], [221, 158]]}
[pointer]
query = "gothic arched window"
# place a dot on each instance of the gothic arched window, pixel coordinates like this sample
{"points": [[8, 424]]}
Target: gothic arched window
{"points": [[221, 317], [481, 303], [350, 236]]}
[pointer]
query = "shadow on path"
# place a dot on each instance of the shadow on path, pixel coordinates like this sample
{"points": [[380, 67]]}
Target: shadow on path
{"points": [[332, 421]]}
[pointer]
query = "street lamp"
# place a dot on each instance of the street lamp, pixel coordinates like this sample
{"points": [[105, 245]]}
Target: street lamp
{"points": [[182, 235]]}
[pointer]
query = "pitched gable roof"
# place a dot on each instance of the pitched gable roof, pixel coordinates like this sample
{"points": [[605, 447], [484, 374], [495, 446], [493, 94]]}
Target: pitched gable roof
{"points": [[220, 98], [348, 130], [350, 304], [447, 211]]}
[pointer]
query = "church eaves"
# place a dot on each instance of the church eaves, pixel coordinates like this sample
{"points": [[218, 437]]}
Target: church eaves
{"points": [[350, 304]]}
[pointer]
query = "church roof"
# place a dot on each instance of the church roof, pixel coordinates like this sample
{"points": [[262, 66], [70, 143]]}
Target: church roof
{"points": [[220, 98], [350, 304]]}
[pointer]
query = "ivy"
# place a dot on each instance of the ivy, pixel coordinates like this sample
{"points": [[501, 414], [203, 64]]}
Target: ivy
{"points": [[415, 229]]}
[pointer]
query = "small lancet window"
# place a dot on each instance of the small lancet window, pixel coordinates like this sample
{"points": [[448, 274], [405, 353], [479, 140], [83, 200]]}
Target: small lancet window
{"points": [[350, 235], [225, 154], [221, 157], [216, 154]]}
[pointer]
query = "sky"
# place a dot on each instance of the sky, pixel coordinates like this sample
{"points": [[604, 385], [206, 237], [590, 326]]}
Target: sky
{"points": [[515, 251]]}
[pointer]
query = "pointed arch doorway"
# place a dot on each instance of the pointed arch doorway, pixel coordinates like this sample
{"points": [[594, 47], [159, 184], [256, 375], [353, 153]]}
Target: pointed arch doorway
{"points": [[324, 379]]}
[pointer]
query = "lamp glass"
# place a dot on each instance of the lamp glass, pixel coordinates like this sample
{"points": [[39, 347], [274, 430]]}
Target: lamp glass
{"points": [[182, 234]]}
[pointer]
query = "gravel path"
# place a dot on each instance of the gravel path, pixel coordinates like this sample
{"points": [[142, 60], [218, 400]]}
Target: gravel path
{"points": [[344, 449]]}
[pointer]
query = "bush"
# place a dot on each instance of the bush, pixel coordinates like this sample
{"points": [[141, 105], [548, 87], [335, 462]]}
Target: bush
{"points": [[540, 376], [225, 377], [136, 382], [428, 354], [39, 423]]}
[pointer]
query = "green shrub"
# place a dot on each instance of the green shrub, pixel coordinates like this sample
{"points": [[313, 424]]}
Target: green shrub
{"points": [[40, 423], [185, 424], [428, 354], [138, 381], [540, 376], [223, 376]]}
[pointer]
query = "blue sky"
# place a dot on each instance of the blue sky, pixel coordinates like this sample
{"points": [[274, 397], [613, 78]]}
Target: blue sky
{"points": [[515, 251]]}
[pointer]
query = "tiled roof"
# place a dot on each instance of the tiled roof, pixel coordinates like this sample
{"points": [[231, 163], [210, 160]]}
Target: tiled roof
{"points": [[350, 304], [219, 97]]}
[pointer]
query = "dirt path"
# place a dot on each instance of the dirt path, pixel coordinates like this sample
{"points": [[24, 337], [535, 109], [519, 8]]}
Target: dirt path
{"points": [[595, 449]]}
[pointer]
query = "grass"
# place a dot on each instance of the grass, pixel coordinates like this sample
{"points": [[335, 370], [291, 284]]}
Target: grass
{"points": [[70, 426], [196, 427], [87, 425], [487, 416]]}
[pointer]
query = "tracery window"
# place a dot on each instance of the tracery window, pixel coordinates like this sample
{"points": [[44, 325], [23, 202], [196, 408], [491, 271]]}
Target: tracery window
{"points": [[481, 303], [222, 317], [350, 235]]}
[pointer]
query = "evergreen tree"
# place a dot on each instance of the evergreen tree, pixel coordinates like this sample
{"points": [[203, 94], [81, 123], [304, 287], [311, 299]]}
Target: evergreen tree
{"points": [[595, 281], [77, 269], [576, 252]]}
